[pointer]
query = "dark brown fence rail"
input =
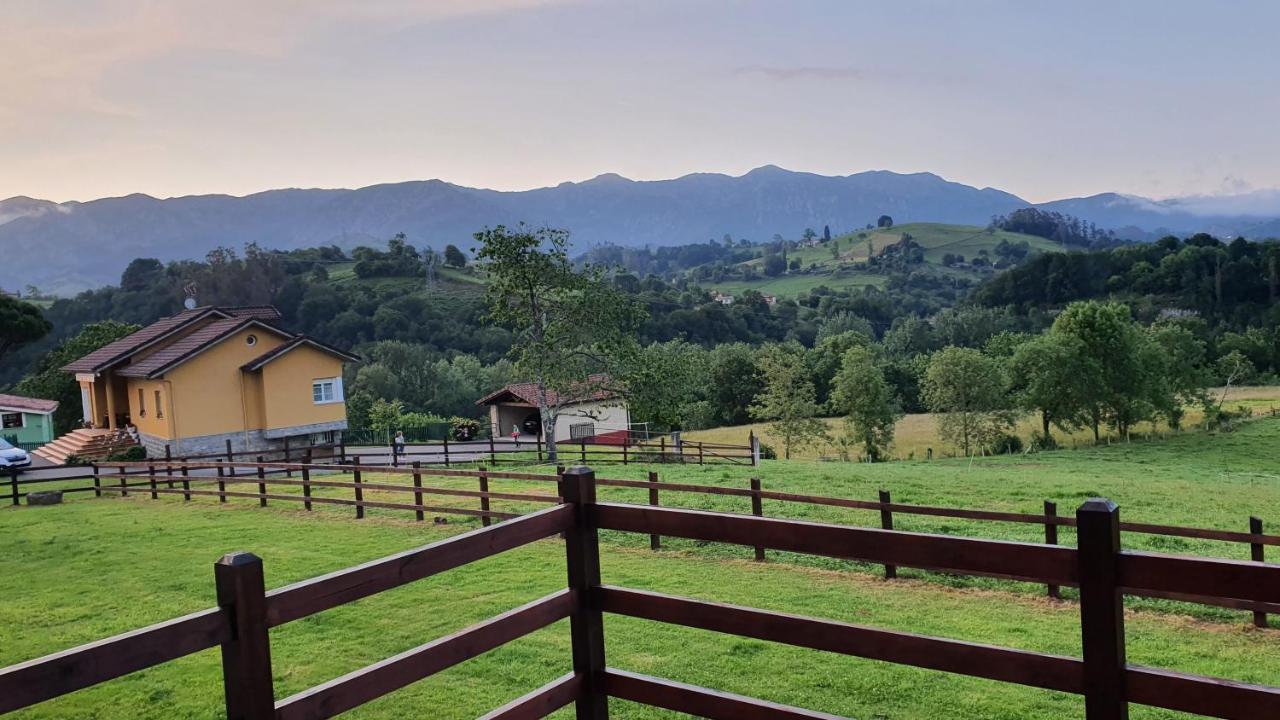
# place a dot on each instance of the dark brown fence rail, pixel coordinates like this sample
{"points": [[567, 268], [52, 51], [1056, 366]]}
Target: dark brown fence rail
{"points": [[1103, 571]]}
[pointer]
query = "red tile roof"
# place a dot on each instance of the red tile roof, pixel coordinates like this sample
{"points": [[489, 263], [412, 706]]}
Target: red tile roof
{"points": [[185, 347], [528, 393], [35, 405], [296, 342], [120, 350]]}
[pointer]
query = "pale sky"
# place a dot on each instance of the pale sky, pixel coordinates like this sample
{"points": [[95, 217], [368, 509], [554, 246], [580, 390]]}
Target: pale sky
{"points": [[1042, 99]]}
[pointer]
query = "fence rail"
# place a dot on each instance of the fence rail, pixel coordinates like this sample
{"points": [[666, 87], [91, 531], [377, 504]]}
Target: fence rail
{"points": [[1101, 568]]}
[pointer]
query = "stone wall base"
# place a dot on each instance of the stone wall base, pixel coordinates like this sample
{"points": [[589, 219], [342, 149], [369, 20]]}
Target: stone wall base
{"points": [[252, 441]]}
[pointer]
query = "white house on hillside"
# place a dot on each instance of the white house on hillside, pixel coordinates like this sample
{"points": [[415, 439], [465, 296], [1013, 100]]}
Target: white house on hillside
{"points": [[599, 416]]}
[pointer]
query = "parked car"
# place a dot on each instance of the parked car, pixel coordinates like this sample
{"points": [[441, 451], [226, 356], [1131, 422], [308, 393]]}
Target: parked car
{"points": [[12, 457]]}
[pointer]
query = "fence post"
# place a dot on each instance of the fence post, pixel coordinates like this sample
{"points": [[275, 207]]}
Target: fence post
{"points": [[222, 484], [395, 457], [538, 440], [231, 458], [342, 450], [754, 442], [417, 487], [662, 449], [655, 541], [262, 484], [1101, 610], [1051, 538], [886, 522], [624, 452], [287, 472], [168, 469], [700, 461], [246, 657], [186, 484], [493, 454], [355, 479], [586, 624], [484, 500], [97, 482], [124, 485], [446, 450], [151, 477], [13, 483], [1257, 553], [757, 509]]}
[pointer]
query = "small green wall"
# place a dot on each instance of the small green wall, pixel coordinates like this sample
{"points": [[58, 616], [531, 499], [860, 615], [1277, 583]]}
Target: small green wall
{"points": [[36, 429]]}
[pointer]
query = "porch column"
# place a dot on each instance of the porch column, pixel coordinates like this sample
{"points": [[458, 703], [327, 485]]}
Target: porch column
{"points": [[109, 385]]}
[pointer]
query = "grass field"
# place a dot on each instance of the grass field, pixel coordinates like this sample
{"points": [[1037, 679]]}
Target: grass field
{"points": [[89, 568], [937, 239], [916, 433]]}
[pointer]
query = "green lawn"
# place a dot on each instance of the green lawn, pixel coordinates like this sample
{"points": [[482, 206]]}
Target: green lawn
{"points": [[90, 568]]}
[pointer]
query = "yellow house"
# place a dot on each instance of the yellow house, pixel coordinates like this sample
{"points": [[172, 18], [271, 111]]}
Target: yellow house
{"points": [[207, 375]]}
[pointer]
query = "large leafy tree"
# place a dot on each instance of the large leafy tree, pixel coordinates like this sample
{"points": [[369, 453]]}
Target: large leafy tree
{"points": [[866, 399], [1116, 371], [1047, 377], [20, 323], [788, 399], [666, 379], [967, 390], [573, 334], [48, 381]]}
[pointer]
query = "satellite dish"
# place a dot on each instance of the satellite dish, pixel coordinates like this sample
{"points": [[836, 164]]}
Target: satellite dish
{"points": [[190, 290], [189, 303]]}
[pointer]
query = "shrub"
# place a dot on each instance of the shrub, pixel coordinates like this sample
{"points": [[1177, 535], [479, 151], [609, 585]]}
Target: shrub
{"points": [[75, 461], [129, 454], [1043, 442], [767, 452], [465, 428], [1007, 445]]}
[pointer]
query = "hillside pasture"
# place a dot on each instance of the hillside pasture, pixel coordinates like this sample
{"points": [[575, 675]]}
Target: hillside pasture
{"points": [[91, 568]]}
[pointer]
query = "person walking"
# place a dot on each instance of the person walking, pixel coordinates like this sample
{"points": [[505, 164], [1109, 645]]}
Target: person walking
{"points": [[515, 434], [397, 445]]}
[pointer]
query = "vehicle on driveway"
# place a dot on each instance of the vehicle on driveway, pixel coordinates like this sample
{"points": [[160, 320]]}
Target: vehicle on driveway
{"points": [[13, 457]]}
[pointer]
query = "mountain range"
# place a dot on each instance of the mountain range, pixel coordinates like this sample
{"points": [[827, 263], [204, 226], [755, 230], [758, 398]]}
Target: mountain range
{"points": [[71, 246]]}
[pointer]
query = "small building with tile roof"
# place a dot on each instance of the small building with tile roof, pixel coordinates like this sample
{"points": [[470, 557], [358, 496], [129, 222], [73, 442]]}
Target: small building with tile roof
{"points": [[595, 415], [25, 420], [212, 375]]}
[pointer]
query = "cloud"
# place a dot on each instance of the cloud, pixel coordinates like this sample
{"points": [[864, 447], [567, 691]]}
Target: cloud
{"points": [[802, 72]]}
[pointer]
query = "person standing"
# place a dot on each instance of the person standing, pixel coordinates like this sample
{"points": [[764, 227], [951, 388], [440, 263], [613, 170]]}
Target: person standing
{"points": [[397, 445]]}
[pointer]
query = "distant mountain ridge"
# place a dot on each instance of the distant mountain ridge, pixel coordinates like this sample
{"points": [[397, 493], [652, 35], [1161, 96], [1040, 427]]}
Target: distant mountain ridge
{"points": [[71, 246]]}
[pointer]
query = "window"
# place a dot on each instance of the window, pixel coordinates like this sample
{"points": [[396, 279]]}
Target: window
{"points": [[326, 390], [11, 420], [142, 403], [159, 406]]}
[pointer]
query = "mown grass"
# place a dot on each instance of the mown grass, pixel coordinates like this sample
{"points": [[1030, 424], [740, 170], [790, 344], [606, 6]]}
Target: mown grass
{"points": [[90, 568]]}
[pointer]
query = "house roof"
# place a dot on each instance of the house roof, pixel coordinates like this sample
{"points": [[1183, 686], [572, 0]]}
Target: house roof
{"points": [[528, 393], [26, 404], [297, 342], [188, 346], [120, 350]]}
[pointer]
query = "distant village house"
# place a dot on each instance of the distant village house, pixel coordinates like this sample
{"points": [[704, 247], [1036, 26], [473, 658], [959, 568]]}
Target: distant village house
{"points": [[25, 420], [599, 417]]}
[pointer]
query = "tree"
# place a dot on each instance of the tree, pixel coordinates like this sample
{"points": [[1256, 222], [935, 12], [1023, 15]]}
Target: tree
{"points": [[774, 265], [734, 381], [572, 333], [20, 323], [453, 257], [665, 379], [384, 417], [884, 221], [866, 399], [1114, 370], [808, 235], [966, 388], [788, 400], [1046, 378], [826, 233], [141, 275], [48, 381]]}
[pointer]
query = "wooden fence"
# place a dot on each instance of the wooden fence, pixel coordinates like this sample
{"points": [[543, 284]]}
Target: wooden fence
{"points": [[657, 451], [1102, 570]]}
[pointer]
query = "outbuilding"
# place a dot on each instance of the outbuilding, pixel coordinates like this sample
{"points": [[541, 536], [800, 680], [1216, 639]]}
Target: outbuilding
{"points": [[597, 416], [26, 421]]}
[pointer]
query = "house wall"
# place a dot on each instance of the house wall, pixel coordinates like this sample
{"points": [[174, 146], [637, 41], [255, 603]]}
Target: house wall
{"points": [[606, 416], [208, 391], [157, 421], [286, 390], [36, 428]]}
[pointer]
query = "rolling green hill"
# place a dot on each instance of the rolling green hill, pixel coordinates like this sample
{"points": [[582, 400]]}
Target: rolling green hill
{"points": [[841, 264]]}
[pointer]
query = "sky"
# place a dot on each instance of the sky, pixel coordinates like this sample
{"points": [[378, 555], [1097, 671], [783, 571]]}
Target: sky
{"points": [[1042, 99]]}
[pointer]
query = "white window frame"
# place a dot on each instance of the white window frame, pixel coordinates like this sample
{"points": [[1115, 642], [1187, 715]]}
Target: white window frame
{"points": [[334, 386], [22, 420]]}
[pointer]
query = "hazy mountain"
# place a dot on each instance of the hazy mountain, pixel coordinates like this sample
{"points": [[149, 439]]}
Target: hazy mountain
{"points": [[70, 246]]}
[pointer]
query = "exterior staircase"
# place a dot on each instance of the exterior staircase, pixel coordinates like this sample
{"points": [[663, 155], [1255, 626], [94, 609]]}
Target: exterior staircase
{"points": [[87, 443]]}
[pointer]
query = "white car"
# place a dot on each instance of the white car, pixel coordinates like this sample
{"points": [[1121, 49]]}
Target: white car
{"points": [[12, 457]]}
